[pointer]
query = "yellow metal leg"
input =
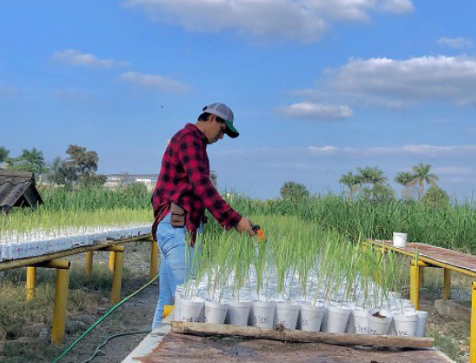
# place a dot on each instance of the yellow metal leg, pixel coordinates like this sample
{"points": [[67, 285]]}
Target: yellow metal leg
{"points": [[446, 284], [154, 259], [117, 276], [472, 344], [89, 263], [112, 256], [415, 285], [59, 311], [30, 283]]}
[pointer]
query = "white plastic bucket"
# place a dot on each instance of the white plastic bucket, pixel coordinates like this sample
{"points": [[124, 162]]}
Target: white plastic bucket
{"points": [[399, 239], [337, 318], [406, 325], [310, 317], [262, 314], [379, 325], [190, 311], [215, 313], [422, 317], [238, 312], [361, 323], [287, 315]]}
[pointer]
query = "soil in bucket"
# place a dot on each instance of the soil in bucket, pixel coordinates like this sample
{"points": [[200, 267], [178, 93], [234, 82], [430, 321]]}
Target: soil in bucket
{"points": [[379, 323]]}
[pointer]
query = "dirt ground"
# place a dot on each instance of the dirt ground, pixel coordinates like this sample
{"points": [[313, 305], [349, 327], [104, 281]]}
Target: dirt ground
{"points": [[451, 336]]}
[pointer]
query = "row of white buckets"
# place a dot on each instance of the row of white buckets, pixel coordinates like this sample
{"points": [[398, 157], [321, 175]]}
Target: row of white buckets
{"points": [[333, 318]]}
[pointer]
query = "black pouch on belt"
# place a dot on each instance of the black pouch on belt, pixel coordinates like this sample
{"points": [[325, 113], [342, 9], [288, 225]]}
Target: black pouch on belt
{"points": [[177, 216]]}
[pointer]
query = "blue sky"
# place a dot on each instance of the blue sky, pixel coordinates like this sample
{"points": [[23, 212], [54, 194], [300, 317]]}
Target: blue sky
{"points": [[318, 87]]}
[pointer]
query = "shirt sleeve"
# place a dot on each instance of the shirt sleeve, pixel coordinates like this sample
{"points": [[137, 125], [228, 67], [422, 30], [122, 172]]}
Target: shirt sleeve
{"points": [[193, 157]]}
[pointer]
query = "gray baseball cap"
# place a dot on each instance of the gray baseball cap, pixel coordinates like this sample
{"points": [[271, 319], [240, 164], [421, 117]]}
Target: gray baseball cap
{"points": [[223, 111]]}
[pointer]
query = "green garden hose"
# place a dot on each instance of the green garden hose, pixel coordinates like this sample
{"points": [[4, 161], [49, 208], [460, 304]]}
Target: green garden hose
{"points": [[98, 348], [72, 345]]}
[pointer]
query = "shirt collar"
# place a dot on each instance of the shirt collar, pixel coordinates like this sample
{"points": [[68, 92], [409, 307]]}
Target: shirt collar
{"points": [[194, 128]]}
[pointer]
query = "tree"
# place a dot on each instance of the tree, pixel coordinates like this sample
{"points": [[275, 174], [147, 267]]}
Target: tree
{"points": [[406, 179], [33, 160], [352, 182], [4, 154], [422, 175], [62, 173], [294, 191], [84, 161], [436, 197], [373, 176]]}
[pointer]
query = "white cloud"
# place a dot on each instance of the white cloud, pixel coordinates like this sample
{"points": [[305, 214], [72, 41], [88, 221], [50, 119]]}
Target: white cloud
{"points": [[317, 111], [454, 170], [458, 43], [156, 81], [76, 58], [407, 82], [302, 20], [416, 150]]}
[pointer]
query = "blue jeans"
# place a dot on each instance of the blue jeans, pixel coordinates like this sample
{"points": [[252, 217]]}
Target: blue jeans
{"points": [[173, 268]]}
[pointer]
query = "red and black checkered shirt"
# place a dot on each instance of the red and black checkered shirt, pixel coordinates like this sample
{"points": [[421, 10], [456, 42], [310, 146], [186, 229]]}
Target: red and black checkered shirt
{"points": [[185, 180]]}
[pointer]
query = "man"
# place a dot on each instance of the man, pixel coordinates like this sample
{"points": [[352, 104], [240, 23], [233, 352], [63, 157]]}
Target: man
{"points": [[182, 193]]}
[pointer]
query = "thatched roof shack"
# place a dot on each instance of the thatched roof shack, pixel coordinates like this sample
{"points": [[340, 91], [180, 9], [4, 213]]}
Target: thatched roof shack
{"points": [[17, 189]]}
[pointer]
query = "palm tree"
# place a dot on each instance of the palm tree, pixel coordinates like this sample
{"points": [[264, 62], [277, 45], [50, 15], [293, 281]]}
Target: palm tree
{"points": [[406, 179], [34, 159], [372, 175], [422, 175], [352, 182]]}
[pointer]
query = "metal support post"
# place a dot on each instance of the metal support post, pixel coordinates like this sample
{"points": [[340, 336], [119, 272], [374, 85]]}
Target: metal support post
{"points": [[446, 284], [415, 284], [61, 299], [112, 256], [117, 272], [154, 259], [30, 282], [472, 339], [89, 263]]}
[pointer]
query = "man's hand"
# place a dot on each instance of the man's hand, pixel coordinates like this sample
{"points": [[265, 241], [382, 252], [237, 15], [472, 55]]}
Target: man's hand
{"points": [[244, 225]]}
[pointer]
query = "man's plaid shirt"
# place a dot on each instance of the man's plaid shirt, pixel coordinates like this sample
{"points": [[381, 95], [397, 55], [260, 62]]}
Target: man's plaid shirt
{"points": [[185, 180]]}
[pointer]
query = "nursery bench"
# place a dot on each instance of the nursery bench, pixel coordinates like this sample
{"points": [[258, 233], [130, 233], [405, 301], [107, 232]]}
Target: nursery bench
{"points": [[184, 342], [424, 255]]}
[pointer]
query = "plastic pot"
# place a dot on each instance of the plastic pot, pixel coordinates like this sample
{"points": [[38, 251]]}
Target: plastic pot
{"points": [[215, 312], [310, 317], [287, 314], [262, 314]]}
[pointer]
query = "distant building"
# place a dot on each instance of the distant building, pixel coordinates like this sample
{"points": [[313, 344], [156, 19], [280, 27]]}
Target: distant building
{"points": [[115, 181], [17, 189]]}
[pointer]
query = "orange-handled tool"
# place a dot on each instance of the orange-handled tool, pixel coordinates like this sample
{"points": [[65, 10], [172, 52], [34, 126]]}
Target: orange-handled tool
{"points": [[259, 232]]}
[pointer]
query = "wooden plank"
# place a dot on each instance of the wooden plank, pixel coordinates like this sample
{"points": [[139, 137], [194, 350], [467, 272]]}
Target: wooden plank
{"points": [[459, 260], [377, 341]]}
